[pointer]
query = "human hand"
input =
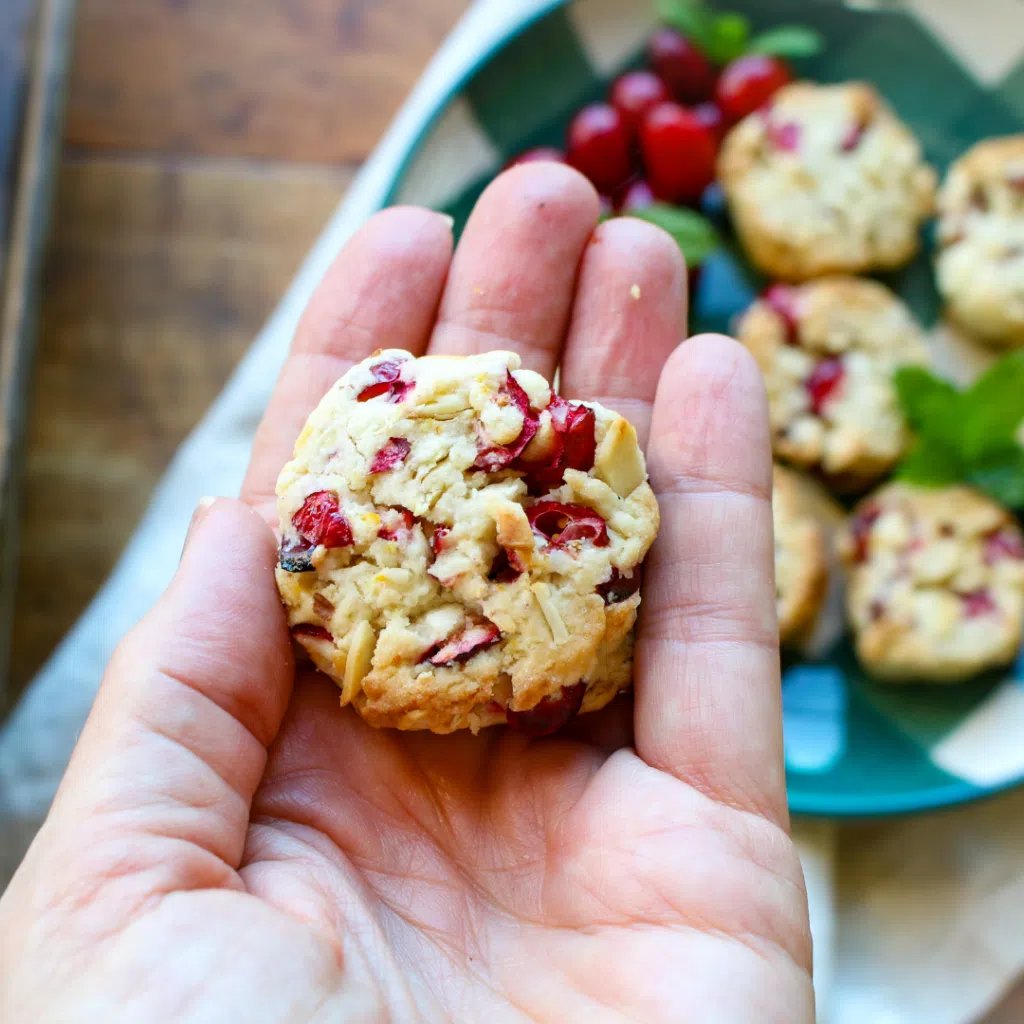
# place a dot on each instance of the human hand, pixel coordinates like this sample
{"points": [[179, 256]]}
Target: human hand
{"points": [[228, 844]]}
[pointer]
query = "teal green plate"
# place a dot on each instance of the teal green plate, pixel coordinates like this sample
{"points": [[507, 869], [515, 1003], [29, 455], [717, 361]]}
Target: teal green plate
{"points": [[853, 747]]}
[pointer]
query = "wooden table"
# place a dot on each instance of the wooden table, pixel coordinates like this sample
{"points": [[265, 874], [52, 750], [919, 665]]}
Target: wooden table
{"points": [[206, 143]]}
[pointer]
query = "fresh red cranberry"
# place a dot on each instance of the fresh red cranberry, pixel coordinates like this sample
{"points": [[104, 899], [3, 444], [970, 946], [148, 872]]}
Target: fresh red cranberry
{"points": [[634, 93], [550, 714], [679, 153], [1003, 544], [681, 66], [399, 525], [312, 631], [824, 382], [501, 456], [619, 586], [561, 524], [637, 195], [1015, 179], [978, 602], [852, 136], [782, 300], [463, 644], [711, 117], [387, 381], [539, 154], [507, 566], [748, 83], [599, 146], [437, 538], [860, 529], [294, 556], [394, 453], [575, 444], [320, 521], [783, 135]]}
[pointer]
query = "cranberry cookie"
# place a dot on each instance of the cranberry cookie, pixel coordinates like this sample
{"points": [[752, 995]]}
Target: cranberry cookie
{"points": [[828, 350], [936, 583], [461, 546], [825, 179], [980, 260], [801, 564]]}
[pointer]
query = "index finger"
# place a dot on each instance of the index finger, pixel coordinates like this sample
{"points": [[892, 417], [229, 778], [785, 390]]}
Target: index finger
{"points": [[382, 291]]}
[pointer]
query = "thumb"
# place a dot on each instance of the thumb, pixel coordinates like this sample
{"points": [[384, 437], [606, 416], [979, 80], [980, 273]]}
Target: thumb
{"points": [[177, 740]]}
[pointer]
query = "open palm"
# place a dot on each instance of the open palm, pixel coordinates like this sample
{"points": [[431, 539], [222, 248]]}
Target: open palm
{"points": [[229, 845]]}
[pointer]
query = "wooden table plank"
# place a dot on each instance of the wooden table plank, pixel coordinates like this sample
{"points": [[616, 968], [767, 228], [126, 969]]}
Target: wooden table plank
{"points": [[157, 280], [309, 80]]}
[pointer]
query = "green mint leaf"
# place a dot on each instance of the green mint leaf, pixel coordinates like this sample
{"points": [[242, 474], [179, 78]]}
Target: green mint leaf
{"points": [[1002, 478], [691, 17], [994, 408], [790, 41], [930, 464], [931, 405], [730, 35], [693, 234]]}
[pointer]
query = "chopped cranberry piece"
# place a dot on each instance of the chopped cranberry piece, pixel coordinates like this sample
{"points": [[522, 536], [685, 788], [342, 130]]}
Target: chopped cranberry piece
{"points": [[634, 93], [860, 529], [399, 526], [681, 65], [387, 377], [322, 606], [1003, 544], [550, 714], [1015, 179], [437, 538], [294, 556], [561, 524], [540, 154], [599, 146], [462, 645], [785, 136], [823, 383], [876, 610], [711, 117], [978, 602], [507, 566], [851, 139], [314, 632], [501, 456], [748, 83], [574, 448], [394, 453], [320, 521], [782, 300], [619, 586]]}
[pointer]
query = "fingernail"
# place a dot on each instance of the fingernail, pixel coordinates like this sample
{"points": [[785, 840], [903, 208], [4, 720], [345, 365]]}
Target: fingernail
{"points": [[449, 220], [202, 507]]}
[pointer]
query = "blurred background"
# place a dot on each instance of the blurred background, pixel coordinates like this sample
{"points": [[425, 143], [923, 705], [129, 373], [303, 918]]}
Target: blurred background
{"points": [[205, 143]]}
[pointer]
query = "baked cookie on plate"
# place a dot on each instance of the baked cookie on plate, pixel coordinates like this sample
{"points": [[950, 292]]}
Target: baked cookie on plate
{"points": [[936, 588], [801, 558], [980, 258], [461, 547], [828, 350], [826, 179]]}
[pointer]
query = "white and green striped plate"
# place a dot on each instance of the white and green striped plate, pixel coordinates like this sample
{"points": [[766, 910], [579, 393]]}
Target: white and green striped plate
{"points": [[955, 72]]}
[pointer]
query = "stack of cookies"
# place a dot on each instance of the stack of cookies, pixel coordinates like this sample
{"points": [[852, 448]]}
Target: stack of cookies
{"points": [[823, 184]]}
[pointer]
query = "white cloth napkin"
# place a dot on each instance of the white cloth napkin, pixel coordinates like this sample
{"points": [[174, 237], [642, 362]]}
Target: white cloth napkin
{"points": [[914, 920]]}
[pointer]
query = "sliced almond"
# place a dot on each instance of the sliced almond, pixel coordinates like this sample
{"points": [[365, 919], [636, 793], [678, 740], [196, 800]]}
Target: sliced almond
{"points": [[542, 592], [443, 407], [618, 461], [543, 442], [512, 528], [357, 664]]}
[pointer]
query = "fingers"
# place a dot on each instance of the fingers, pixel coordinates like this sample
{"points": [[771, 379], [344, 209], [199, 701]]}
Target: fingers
{"points": [[629, 314], [177, 741], [512, 280], [707, 701], [382, 291]]}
